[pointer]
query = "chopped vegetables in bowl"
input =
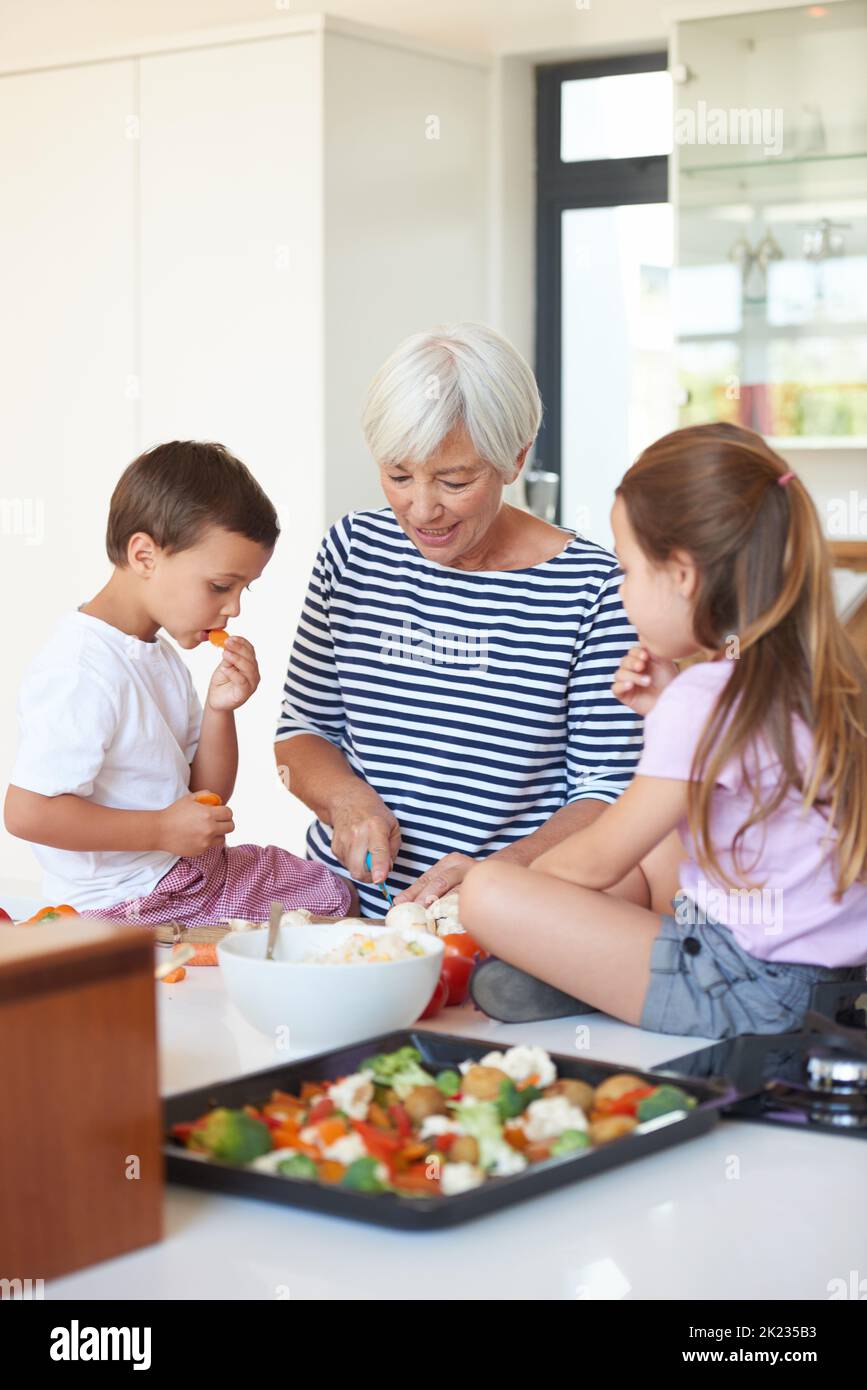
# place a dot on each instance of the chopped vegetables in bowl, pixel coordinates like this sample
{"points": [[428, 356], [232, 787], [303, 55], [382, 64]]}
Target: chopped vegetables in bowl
{"points": [[330, 983]]}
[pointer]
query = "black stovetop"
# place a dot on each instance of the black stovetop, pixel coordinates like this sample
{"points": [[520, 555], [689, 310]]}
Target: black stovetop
{"points": [[814, 1079]]}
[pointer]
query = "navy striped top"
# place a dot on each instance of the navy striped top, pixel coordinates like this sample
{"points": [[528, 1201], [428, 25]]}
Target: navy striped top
{"points": [[476, 702]]}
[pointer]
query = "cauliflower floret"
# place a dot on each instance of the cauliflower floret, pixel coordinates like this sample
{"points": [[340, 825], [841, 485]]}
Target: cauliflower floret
{"points": [[353, 1094], [346, 1150], [549, 1117], [507, 1161], [432, 1125], [460, 1177], [297, 917], [267, 1163], [520, 1062]]}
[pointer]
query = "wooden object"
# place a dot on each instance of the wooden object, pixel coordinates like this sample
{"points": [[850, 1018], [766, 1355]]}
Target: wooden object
{"points": [[81, 1169]]}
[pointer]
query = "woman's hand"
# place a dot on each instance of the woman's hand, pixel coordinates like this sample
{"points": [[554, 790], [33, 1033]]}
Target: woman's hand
{"points": [[445, 875], [642, 678], [363, 824], [236, 677]]}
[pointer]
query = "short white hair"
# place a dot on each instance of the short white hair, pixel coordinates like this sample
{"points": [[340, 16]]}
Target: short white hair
{"points": [[460, 374]]}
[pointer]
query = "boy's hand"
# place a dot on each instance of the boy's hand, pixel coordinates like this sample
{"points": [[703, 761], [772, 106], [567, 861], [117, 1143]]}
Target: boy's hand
{"points": [[642, 678], [189, 828], [236, 677]]}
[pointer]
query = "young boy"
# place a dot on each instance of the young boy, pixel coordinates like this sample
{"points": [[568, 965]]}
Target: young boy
{"points": [[114, 742]]}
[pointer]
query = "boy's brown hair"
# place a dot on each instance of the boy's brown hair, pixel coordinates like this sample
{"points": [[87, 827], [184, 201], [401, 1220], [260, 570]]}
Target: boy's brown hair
{"points": [[175, 491]]}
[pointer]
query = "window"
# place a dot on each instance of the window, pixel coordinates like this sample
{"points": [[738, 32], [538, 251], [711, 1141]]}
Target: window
{"points": [[604, 337]]}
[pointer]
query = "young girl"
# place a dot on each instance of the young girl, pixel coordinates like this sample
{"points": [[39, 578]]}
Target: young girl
{"points": [[748, 812], [115, 747]]}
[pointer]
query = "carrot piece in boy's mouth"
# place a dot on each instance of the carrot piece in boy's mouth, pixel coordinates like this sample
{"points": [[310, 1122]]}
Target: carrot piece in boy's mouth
{"points": [[219, 636]]}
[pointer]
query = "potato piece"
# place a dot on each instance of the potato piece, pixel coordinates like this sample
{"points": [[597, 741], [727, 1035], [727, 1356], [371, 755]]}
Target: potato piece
{"points": [[617, 1086], [465, 1149], [610, 1127], [576, 1092], [483, 1082], [423, 1101]]}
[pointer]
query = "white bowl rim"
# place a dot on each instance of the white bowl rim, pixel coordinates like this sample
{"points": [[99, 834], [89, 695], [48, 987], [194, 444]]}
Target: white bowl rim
{"points": [[331, 967]]}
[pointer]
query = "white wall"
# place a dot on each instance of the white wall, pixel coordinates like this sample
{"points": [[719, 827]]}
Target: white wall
{"points": [[221, 241], [68, 354], [232, 221], [406, 233]]}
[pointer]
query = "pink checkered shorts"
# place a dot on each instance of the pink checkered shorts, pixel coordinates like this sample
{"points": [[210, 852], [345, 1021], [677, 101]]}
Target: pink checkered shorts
{"points": [[234, 881]]}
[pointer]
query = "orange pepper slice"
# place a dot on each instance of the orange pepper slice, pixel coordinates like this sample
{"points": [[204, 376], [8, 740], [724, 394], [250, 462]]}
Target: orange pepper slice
{"points": [[415, 1179], [330, 1130], [208, 799], [219, 636]]}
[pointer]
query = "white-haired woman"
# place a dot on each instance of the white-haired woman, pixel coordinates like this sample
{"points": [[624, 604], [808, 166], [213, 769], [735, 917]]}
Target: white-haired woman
{"points": [[449, 691]]}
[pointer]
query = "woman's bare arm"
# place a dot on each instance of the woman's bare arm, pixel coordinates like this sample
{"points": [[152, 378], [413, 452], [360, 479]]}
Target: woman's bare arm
{"points": [[319, 775], [601, 854]]}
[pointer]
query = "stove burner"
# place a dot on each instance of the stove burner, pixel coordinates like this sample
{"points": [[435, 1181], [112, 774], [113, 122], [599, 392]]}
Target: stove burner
{"points": [[833, 1071], [835, 1093], [814, 1079]]}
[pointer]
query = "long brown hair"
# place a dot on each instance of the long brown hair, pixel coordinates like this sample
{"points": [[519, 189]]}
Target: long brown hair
{"points": [[764, 587]]}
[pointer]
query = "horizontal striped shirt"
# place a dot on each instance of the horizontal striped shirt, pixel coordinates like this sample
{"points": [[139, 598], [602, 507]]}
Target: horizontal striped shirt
{"points": [[476, 702]]}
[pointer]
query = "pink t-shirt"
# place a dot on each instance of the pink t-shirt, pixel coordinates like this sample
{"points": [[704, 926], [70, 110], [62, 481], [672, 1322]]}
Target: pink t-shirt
{"points": [[790, 914]]}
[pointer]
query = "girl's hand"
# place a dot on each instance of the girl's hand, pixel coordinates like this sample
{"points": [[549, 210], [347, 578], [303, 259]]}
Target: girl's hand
{"points": [[236, 677], [642, 678], [362, 824], [189, 828], [445, 875]]}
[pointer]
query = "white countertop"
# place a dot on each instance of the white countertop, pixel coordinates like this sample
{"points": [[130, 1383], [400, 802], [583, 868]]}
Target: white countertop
{"points": [[744, 1212]]}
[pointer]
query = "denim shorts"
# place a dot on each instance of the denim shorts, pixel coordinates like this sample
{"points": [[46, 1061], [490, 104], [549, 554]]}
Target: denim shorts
{"points": [[702, 984]]}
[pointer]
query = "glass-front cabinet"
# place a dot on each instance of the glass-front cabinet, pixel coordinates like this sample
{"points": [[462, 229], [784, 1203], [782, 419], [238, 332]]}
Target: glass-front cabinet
{"points": [[770, 191]]}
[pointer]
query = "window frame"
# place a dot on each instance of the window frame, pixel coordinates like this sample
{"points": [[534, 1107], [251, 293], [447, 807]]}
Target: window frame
{"points": [[560, 186]]}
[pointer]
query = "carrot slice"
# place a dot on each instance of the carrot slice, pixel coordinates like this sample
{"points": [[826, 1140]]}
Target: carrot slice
{"points": [[219, 636], [330, 1171], [208, 799], [204, 953], [174, 977]]}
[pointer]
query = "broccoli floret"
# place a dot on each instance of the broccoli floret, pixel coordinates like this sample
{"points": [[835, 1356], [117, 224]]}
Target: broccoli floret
{"points": [[298, 1166], [663, 1100], [511, 1102], [361, 1176], [449, 1082], [232, 1135], [570, 1140], [401, 1070]]}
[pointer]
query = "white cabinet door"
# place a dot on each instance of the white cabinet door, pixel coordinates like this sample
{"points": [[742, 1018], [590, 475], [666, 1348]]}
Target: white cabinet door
{"points": [[67, 351], [232, 328], [232, 247]]}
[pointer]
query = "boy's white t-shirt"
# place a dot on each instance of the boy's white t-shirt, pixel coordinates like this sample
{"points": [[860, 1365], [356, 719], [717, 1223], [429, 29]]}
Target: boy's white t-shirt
{"points": [[114, 720]]}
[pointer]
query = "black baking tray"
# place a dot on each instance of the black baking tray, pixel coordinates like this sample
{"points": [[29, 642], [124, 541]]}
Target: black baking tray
{"points": [[438, 1050]]}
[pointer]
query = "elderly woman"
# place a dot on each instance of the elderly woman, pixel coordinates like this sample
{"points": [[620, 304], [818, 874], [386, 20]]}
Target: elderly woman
{"points": [[449, 691]]}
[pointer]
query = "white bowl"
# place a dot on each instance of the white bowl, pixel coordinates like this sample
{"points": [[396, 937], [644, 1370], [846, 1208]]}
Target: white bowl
{"points": [[324, 1006]]}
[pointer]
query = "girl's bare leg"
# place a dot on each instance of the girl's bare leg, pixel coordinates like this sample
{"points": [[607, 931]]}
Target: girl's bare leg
{"points": [[595, 945]]}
